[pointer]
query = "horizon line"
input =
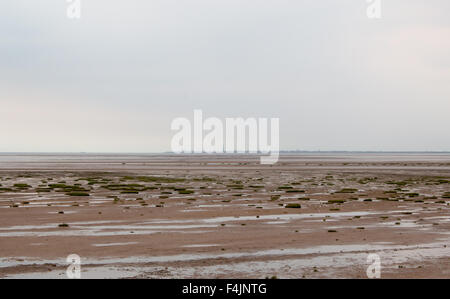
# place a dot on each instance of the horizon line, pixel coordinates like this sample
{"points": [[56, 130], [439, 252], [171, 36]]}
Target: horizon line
{"points": [[246, 153]]}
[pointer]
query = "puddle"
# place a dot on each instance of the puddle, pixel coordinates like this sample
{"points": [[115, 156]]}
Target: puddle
{"points": [[200, 245], [317, 250], [65, 212], [290, 216], [332, 258], [86, 273], [98, 228], [114, 244]]}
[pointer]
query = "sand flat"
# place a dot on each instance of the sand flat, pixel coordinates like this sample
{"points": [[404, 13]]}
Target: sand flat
{"points": [[203, 216]]}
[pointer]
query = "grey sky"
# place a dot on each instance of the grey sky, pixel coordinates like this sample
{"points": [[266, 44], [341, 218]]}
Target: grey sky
{"points": [[114, 80]]}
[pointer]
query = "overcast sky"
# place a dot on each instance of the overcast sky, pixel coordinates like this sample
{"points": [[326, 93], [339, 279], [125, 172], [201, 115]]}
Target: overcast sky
{"points": [[114, 80]]}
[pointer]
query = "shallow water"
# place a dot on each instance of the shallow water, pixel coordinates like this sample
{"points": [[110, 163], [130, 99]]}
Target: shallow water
{"points": [[114, 244], [326, 258]]}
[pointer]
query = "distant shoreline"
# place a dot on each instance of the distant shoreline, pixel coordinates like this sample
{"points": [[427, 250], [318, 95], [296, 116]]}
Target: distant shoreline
{"points": [[215, 154]]}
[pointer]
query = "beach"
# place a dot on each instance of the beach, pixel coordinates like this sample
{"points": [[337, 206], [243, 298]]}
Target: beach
{"points": [[311, 215]]}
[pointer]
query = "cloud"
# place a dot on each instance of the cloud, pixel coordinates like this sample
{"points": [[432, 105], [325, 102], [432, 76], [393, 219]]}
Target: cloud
{"points": [[334, 78]]}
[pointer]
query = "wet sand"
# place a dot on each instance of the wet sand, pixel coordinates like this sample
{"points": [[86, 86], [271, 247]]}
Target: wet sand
{"points": [[171, 216]]}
